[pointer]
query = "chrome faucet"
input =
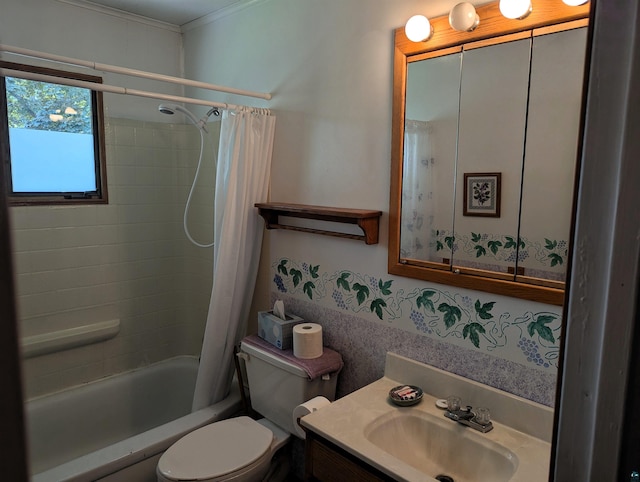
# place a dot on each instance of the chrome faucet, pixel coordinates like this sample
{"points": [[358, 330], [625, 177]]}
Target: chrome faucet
{"points": [[478, 419]]}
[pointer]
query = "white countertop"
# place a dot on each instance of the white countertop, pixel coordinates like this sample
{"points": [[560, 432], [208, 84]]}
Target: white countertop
{"points": [[344, 422]]}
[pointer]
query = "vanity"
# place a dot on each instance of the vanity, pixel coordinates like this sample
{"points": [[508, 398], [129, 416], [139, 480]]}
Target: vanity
{"points": [[364, 436]]}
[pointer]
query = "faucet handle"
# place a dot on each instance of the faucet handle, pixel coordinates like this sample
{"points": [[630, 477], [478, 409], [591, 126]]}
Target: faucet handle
{"points": [[483, 415], [453, 403]]}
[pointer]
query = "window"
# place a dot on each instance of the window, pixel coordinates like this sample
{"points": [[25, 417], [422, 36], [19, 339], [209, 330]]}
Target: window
{"points": [[52, 139]]}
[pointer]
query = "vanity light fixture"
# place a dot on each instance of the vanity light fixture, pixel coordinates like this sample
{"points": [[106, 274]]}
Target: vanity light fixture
{"points": [[463, 17], [418, 29], [575, 3], [515, 9]]}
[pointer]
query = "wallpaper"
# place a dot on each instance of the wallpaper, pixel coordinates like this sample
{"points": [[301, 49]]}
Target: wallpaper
{"points": [[485, 337]]}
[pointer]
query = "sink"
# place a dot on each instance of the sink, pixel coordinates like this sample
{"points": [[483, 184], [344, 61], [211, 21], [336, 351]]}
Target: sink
{"points": [[441, 447], [418, 443]]}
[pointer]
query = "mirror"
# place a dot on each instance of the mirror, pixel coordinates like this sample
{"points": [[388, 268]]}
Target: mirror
{"points": [[491, 139], [552, 136], [430, 132], [484, 144]]}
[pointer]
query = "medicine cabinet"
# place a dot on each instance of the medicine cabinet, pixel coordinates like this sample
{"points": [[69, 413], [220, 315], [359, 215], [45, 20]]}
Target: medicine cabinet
{"points": [[485, 140]]}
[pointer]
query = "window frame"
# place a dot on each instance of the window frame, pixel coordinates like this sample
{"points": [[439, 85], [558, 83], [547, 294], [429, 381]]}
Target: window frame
{"points": [[100, 195]]}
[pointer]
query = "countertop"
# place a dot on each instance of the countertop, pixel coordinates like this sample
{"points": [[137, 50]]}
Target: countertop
{"points": [[346, 421]]}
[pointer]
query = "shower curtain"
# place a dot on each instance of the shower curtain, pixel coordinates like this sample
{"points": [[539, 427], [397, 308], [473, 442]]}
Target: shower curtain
{"points": [[417, 192], [242, 179]]}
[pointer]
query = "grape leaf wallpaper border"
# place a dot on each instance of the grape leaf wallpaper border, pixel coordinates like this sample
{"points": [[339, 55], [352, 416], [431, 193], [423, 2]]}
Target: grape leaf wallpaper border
{"points": [[464, 318]]}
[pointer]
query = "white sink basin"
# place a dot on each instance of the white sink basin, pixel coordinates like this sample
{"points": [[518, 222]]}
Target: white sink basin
{"points": [[418, 443], [441, 447]]}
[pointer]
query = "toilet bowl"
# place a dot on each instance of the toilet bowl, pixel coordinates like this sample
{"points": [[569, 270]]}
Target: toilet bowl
{"points": [[237, 449], [241, 449]]}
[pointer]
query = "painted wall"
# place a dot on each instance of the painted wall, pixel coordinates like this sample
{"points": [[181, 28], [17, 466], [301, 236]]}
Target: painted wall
{"points": [[128, 260], [328, 65], [95, 34]]}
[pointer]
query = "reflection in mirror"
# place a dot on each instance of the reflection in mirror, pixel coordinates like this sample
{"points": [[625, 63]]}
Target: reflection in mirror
{"points": [[493, 112], [549, 168], [449, 171], [430, 138]]}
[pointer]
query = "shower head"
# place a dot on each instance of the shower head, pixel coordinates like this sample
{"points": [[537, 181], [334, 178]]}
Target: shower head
{"points": [[172, 109], [165, 109]]}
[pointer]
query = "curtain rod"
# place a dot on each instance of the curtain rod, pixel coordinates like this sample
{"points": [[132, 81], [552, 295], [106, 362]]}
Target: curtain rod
{"points": [[133, 72], [117, 90]]}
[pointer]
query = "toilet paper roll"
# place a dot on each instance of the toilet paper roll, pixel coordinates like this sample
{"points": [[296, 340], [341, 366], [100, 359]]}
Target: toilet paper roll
{"points": [[307, 340], [306, 408]]}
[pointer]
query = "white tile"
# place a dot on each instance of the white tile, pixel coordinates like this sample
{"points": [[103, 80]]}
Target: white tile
{"points": [[124, 196], [124, 135], [122, 155], [22, 262], [123, 176], [163, 138], [165, 177], [145, 176], [106, 214], [143, 137], [129, 254]]}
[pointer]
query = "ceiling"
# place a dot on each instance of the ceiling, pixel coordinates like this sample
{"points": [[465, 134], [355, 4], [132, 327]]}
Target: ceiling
{"points": [[176, 12]]}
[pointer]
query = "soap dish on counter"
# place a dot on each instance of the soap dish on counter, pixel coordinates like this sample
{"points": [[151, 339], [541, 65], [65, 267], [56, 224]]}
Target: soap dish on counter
{"points": [[405, 395]]}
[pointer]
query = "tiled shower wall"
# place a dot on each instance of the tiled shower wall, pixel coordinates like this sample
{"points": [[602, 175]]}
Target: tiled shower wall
{"points": [[127, 260]]}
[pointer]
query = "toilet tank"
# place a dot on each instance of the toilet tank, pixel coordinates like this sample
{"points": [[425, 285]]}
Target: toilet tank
{"points": [[277, 386]]}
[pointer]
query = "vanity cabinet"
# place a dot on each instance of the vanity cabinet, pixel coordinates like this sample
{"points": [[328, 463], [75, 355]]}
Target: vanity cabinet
{"points": [[326, 462]]}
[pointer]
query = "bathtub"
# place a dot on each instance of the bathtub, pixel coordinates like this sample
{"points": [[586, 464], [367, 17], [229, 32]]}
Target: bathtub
{"points": [[116, 428]]}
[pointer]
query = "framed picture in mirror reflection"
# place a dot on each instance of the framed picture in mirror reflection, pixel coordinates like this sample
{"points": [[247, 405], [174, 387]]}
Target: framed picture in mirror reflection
{"points": [[482, 194]]}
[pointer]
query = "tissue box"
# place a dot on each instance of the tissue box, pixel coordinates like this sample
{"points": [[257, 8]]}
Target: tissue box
{"points": [[276, 331]]}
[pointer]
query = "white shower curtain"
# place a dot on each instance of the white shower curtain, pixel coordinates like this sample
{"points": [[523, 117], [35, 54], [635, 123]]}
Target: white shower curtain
{"points": [[242, 179], [417, 192]]}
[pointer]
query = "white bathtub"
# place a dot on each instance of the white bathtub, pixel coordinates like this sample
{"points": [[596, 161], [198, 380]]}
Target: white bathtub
{"points": [[115, 429]]}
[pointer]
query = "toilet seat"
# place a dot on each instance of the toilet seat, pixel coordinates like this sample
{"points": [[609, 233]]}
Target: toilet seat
{"points": [[218, 450]]}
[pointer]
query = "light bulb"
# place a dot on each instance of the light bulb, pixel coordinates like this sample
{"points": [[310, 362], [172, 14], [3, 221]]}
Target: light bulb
{"points": [[418, 28], [515, 9], [575, 3], [463, 17]]}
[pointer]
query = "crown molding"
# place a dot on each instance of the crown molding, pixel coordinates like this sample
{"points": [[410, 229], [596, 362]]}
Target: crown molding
{"points": [[114, 12], [218, 14]]}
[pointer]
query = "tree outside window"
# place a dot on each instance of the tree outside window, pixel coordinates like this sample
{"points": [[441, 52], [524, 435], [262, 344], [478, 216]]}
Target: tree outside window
{"points": [[55, 137]]}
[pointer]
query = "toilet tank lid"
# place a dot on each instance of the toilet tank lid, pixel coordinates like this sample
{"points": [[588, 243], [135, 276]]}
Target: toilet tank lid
{"points": [[263, 354], [329, 363]]}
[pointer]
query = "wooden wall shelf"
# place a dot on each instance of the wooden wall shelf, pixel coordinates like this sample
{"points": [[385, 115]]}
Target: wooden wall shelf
{"points": [[367, 220]]}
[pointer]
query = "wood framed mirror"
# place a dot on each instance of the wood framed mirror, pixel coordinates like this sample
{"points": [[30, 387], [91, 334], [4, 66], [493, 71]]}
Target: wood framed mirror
{"points": [[484, 151]]}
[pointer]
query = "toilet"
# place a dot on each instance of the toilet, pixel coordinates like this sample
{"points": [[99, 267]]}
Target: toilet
{"points": [[242, 449]]}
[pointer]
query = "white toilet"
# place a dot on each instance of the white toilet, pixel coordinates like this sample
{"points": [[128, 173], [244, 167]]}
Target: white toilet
{"points": [[242, 449]]}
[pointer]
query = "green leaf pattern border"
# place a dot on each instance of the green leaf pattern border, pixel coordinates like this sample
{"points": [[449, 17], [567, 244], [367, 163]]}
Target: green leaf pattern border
{"points": [[550, 254], [473, 323]]}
